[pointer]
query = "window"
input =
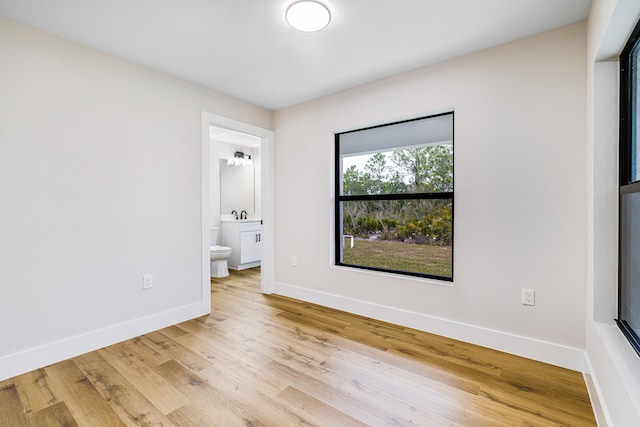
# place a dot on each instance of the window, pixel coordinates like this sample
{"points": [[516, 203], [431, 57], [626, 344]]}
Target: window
{"points": [[629, 200], [394, 197]]}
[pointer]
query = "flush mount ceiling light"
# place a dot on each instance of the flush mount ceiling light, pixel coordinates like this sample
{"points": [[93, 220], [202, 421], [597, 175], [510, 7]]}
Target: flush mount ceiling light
{"points": [[308, 16]]}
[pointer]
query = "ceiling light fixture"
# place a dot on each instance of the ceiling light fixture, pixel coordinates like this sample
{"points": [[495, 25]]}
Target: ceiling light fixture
{"points": [[308, 16]]}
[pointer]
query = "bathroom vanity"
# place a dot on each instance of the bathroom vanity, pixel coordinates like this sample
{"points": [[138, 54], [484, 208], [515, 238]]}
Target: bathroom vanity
{"points": [[244, 237]]}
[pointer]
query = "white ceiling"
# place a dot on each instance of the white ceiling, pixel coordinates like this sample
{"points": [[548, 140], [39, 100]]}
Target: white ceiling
{"points": [[245, 49]]}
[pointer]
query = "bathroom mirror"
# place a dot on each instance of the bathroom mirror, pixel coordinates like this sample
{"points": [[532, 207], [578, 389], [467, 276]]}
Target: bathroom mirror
{"points": [[237, 188]]}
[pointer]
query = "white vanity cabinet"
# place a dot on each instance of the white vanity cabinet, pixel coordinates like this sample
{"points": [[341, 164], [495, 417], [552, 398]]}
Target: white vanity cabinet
{"points": [[244, 237]]}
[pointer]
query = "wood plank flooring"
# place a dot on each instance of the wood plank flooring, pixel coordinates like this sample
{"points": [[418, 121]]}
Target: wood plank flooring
{"points": [[261, 360]]}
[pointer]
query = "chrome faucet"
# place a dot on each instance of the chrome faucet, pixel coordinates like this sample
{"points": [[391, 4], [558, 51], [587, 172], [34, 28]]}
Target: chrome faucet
{"points": [[243, 214], [234, 213]]}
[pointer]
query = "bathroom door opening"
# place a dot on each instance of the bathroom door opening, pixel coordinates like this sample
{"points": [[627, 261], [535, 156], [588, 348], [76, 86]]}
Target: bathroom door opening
{"points": [[220, 137]]}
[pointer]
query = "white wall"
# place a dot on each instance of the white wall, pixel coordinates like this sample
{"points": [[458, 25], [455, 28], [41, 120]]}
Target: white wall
{"points": [[614, 366], [520, 165], [100, 183]]}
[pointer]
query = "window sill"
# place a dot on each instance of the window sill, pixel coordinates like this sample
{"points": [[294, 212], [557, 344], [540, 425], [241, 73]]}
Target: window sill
{"points": [[397, 276], [624, 360]]}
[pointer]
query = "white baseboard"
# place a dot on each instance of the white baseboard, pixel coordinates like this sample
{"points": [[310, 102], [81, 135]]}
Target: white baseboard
{"points": [[47, 354], [554, 354]]}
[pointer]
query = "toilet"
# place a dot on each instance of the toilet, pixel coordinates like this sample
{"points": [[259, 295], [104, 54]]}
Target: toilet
{"points": [[219, 255]]}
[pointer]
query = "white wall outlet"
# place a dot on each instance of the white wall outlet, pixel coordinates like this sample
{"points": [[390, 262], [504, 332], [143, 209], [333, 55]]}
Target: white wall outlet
{"points": [[528, 297], [294, 261], [147, 281]]}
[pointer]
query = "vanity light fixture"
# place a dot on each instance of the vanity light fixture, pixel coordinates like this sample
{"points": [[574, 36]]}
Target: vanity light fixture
{"points": [[308, 16], [239, 159]]}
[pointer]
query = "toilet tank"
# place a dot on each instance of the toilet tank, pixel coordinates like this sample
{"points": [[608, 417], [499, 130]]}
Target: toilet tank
{"points": [[213, 236]]}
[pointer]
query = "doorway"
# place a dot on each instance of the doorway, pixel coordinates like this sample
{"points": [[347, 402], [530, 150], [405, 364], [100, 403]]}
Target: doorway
{"points": [[265, 182]]}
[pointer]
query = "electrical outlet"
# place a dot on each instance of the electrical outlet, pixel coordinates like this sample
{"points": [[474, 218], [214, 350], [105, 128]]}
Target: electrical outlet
{"points": [[147, 281], [294, 261], [528, 297]]}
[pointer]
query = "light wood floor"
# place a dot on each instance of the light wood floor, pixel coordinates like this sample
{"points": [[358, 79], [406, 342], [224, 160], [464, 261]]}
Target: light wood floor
{"points": [[270, 361]]}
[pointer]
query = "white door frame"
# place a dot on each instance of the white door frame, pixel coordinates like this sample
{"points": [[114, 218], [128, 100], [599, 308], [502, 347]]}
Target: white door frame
{"points": [[266, 179]]}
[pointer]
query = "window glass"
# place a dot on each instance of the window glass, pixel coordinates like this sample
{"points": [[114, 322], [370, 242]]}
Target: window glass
{"points": [[394, 207], [629, 201], [630, 259], [635, 113], [423, 169], [404, 235]]}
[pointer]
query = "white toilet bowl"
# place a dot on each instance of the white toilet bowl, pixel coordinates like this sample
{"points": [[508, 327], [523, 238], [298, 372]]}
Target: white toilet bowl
{"points": [[218, 255]]}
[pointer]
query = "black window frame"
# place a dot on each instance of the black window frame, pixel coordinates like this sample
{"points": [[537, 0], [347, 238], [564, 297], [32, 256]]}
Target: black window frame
{"points": [[626, 184], [339, 198]]}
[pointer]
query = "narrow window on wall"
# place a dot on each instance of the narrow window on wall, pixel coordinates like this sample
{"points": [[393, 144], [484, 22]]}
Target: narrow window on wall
{"points": [[629, 226], [394, 197]]}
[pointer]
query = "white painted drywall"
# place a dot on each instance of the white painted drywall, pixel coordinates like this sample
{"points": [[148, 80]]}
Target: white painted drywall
{"points": [[520, 195], [100, 184]]}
